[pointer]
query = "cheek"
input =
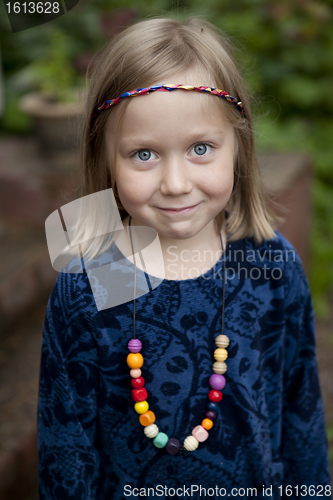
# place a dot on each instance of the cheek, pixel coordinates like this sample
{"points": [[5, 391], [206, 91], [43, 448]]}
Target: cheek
{"points": [[219, 184], [134, 188]]}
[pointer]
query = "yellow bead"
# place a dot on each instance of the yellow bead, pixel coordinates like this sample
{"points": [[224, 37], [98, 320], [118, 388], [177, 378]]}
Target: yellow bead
{"points": [[220, 354], [219, 367], [141, 407], [222, 341], [135, 360], [207, 424]]}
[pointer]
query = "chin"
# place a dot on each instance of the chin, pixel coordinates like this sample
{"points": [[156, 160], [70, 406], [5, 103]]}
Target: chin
{"points": [[180, 233]]}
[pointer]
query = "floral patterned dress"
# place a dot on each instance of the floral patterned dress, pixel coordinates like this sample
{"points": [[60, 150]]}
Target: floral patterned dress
{"points": [[270, 430]]}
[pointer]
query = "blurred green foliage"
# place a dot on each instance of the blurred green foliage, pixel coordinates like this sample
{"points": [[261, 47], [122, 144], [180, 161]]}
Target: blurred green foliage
{"points": [[285, 48]]}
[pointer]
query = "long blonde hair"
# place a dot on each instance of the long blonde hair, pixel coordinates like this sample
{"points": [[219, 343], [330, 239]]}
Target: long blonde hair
{"points": [[154, 50]]}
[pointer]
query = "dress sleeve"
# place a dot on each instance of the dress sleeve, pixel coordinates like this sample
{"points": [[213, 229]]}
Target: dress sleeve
{"points": [[69, 460], [304, 444]]}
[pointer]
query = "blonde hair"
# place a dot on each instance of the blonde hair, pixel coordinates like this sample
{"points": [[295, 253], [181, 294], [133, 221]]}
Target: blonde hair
{"points": [[154, 50]]}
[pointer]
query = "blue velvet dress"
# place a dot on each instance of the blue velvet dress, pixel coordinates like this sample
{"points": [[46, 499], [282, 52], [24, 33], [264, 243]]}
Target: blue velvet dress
{"points": [[270, 430]]}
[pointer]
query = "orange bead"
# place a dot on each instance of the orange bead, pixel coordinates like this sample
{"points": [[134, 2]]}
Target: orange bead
{"points": [[135, 360], [207, 424], [147, 418]]}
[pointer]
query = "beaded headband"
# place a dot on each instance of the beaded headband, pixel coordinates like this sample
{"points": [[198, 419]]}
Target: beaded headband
{"points": [[146, 90]]}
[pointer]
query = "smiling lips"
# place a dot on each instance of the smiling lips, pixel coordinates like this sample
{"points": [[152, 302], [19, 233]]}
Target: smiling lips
{"points": [[178, 209]]}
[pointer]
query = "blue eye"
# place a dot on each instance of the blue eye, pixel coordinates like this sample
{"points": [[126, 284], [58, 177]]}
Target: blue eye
{"points": [[201, 148], [144, 155]]}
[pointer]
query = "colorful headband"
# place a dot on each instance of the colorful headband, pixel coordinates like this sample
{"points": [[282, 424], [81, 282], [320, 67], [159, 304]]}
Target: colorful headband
{"points": [[146, 90]]}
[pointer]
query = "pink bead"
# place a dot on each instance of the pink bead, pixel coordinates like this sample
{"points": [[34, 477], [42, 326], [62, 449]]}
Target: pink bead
{"points": [[135, 372], [217, 382], [200, 433], [134, 345]]}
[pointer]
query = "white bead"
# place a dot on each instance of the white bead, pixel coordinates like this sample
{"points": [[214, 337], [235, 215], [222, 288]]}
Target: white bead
{"points": [[222, 341], [219, 367], [151, 431], [190, 443]]}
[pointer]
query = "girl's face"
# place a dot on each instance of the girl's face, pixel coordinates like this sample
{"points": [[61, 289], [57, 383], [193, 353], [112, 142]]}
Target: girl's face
{"points": [[175, 158]]}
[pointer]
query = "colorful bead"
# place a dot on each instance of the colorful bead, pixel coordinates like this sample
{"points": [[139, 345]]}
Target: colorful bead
{"points": [[215, 396], [141, 407], [147, 418], [138, 382], [161, 440], [134, 345], [217, 382], [200, 433], [210, 414], [213, 406], [222, 341], [219, 367], [220, 354], [139, 394], [134, 360], [173, 446], [207, 423], [191, 443], [151, 431]]}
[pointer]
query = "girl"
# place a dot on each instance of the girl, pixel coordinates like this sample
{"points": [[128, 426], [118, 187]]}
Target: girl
{"points": [[232, 312]]}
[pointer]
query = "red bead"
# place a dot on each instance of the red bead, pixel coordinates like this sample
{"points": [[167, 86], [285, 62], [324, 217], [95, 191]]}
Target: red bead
{"points": [[139, 394], [137, 383], [215, 396]]}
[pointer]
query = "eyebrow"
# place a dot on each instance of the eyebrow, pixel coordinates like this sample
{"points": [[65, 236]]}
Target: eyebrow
{"points": [[192, 137]]}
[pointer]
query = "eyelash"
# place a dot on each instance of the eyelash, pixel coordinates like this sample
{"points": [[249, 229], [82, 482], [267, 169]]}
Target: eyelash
{"points": [[197, 144]]}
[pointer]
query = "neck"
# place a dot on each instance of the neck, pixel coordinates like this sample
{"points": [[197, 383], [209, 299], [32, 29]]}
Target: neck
{"points": [[199, 253], [207, 239]]}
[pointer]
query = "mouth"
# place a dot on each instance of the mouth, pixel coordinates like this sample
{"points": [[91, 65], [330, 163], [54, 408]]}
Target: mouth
{"points": [[179, 210]]}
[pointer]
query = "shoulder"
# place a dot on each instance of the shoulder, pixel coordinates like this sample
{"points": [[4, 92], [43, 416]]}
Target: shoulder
{"points": [[69, 324], [277, 251], [275, 260], [278, 244], [71, 296], [284, 256]]}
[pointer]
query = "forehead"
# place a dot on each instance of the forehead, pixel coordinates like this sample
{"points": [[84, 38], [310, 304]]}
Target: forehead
{"points": [[168, 110], [161, 104]]}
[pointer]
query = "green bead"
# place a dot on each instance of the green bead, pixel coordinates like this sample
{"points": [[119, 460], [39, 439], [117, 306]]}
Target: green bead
{"points": [[161, 440]]}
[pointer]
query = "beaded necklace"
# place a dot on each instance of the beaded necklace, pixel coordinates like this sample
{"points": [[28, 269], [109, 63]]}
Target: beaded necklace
{"points": [[139, 393]]}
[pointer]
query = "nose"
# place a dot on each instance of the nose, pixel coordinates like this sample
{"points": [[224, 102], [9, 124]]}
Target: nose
{"points": [[175, 177]]}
